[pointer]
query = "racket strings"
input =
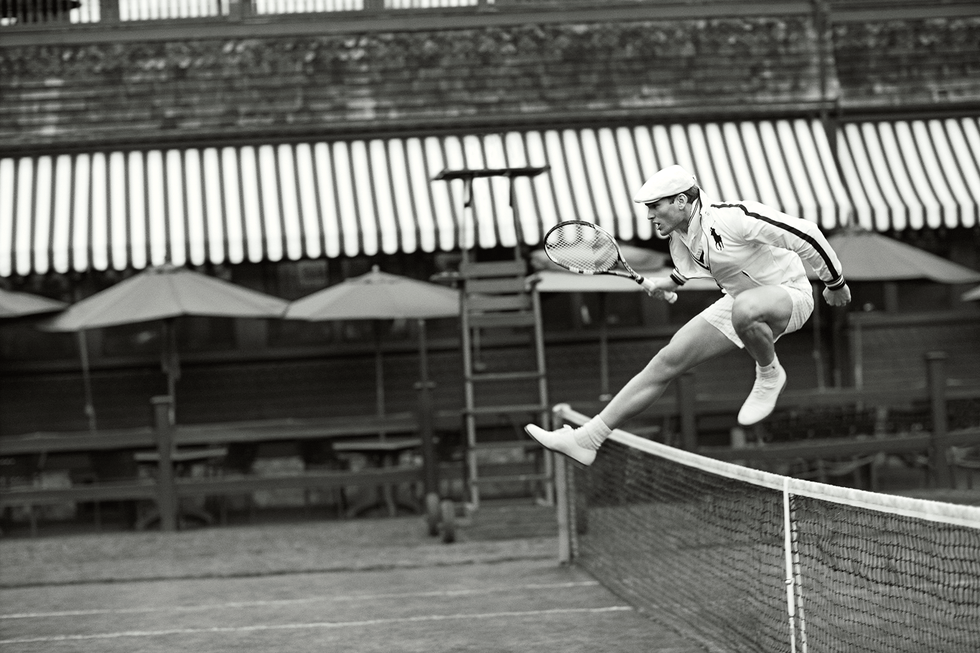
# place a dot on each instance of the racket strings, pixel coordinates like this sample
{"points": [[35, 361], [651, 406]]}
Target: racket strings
{"points": [[579, 247]]}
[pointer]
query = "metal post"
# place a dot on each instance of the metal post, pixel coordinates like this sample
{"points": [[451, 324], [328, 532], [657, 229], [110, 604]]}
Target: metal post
{"points": [[818, 353], [686, 401], [939, 443], [857, 355], [604, 393], [87, 382], [465, 212], [108, 11], [166, 490], [563, 508], [237, 10]]}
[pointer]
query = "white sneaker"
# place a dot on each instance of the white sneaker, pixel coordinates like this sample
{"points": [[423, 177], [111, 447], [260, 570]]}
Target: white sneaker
{"points": [[561, 441], [763, 397]]}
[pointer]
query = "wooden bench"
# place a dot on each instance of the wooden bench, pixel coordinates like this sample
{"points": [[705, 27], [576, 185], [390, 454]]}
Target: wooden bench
{"points": [[166, 442]]}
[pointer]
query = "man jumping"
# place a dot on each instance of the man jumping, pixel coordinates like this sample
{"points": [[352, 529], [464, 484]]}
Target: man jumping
{"points": [[755, 254]]}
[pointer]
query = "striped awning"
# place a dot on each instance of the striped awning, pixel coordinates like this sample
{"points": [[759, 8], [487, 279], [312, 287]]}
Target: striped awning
{"points": [[912, 174], [132, 209]]}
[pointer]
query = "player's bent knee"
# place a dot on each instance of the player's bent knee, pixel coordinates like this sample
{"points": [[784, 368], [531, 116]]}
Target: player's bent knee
{"points": [[746, 312], [751, 310]]}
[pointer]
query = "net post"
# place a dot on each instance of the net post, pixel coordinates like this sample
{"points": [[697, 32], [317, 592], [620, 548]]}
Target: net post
{"points": [[790, 580], [562, 500], [562, 497], [938, 442]]}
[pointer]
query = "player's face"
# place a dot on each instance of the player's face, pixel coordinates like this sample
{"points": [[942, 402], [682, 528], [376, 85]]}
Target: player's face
{"points": [[667, 215]]}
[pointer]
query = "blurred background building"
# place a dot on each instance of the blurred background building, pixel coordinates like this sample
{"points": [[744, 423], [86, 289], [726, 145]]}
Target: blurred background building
{"points": [[287, 145]]}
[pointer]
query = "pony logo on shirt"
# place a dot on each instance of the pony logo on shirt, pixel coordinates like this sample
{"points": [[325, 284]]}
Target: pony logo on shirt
{"points": [[718, 242]]}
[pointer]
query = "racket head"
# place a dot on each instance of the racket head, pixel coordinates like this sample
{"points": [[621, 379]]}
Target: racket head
{"points": [[582, 247]]}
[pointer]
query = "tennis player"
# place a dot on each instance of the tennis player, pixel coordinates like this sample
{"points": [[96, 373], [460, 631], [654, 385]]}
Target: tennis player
{"points": [[755, 254]]}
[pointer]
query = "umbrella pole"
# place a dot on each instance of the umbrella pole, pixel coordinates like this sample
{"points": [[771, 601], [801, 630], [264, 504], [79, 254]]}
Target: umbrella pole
{"points": [[87, 381], [817, 344], [604, 394], [170, 364], [379, 375], [424, 387]]}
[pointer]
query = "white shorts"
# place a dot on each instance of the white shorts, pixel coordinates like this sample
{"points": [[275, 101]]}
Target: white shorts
{"points": [[719, 314]]}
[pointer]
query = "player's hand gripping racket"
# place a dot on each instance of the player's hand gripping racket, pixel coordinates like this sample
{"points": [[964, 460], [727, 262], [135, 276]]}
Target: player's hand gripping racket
{"points": [[585, 248]]}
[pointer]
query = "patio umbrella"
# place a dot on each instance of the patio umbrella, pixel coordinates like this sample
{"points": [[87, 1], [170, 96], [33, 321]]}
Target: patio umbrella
{"points": [[14, 305], [869, 256], [376, 296], [164, 293], [21, 304]]}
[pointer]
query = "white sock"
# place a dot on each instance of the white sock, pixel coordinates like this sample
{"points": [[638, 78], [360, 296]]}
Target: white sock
{"points": [[769, 369], [592, 434]]}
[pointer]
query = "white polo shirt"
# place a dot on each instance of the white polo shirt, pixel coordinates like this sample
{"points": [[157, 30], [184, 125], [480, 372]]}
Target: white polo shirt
{"points": [[746, 244]]}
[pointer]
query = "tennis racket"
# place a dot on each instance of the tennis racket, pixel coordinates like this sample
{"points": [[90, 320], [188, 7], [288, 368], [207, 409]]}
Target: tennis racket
{"points": [[585, 248]]}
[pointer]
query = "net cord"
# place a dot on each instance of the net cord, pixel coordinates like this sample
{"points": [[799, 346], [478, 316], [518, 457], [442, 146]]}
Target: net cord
{"points": [[934, 511]]}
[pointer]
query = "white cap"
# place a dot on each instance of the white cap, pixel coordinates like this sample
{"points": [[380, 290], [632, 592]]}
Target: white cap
{"points": [[668, 182]]}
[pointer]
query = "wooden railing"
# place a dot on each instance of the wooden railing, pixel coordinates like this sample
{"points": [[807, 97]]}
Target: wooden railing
{"points": [[66, 13], [74, 12], [69, 12]]}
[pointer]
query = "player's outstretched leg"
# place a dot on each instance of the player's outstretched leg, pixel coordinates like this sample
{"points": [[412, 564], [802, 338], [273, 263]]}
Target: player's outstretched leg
{"points": [[578, 444], [769, 382]]}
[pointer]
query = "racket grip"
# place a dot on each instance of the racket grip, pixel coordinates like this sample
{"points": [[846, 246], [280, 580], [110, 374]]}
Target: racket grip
{"points": [[669, 295]]}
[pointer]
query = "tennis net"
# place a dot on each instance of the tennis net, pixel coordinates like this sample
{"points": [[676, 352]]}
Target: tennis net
{"points": [[746, 560]]}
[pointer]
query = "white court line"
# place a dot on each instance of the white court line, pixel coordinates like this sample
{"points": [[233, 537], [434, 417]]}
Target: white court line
{"points": [[311, 599], [313, 625]]}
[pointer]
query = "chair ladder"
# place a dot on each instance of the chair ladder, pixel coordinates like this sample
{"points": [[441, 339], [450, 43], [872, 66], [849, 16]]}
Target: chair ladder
{"points": [[505, 378]]}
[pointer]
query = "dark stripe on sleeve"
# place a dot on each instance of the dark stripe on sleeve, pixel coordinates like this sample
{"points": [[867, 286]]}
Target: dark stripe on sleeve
{"points": [[836, 280], [676, 278], [836, 285]]}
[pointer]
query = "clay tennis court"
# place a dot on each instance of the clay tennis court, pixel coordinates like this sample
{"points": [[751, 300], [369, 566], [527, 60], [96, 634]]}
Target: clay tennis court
{"points": [[358, 585]]}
